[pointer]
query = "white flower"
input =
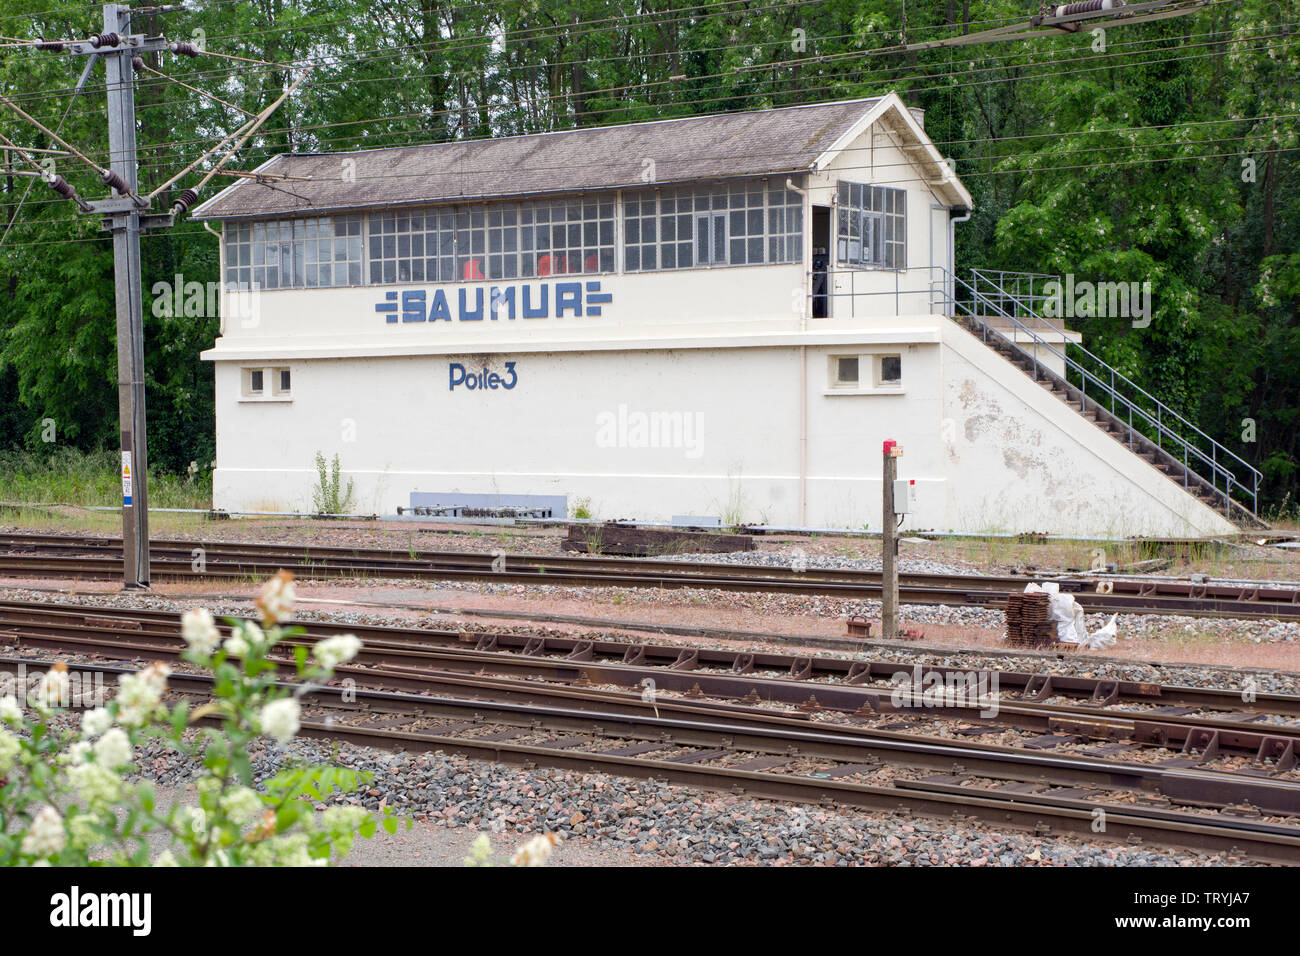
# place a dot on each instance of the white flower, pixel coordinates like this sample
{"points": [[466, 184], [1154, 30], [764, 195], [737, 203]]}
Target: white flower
{"points": [[343, 819], [236, 646], [336, 650], [95, 722], [279, 719], [277, 599], [292, 849], [97, 785], [78, 753], [242, 805], [53, 689], [140, 693], [46, 836], [536, 850], [480, 851], [113, 749], [10, 747], [165, 858], [199, 631], [81, 829], [244, 638], [9, 709]]}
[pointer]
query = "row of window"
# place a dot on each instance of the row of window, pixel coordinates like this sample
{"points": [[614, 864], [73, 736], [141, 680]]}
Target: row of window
{"points": [[872, 226], [858, 372], [498, 241], [743, 223], [265, 383], [311, 253]]}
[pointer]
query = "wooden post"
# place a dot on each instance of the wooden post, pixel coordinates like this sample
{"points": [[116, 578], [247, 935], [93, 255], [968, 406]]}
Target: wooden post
{"points": [[889, 546]]}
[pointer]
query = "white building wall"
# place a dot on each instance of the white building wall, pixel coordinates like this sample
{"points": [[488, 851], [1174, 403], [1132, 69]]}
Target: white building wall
{"points": [[989, 450], [729, 355]]}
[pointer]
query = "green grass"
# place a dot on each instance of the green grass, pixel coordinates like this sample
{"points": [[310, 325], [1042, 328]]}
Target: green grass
{"points": [[70, 477]]}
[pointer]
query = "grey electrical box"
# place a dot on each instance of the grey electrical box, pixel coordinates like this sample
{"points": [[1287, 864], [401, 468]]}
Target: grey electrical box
{"points": [[902, 498]]}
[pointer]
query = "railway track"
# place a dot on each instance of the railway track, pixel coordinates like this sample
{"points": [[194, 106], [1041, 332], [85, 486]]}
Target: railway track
{"points": [[100, 558], [769, 756], [436, 674]]}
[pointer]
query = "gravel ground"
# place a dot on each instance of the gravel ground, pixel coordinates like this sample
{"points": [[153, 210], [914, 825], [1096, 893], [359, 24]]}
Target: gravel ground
{"points": [[655, 823]]}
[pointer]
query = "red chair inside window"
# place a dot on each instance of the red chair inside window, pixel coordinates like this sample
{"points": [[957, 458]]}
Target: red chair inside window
{"points": [[592, 263], [473, 269]]}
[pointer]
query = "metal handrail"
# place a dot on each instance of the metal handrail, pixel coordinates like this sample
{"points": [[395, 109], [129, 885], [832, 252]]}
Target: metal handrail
{"points": [[943, 294], [1163, 413]]}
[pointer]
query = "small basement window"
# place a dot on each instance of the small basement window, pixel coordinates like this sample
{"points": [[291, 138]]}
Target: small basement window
{"points": [[890, 371], [265, 385], [845, 371]]}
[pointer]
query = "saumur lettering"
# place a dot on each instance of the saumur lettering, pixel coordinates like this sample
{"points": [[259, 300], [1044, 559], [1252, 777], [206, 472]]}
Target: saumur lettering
{"points": [[459, 375], [542, 300], [74, 909]]}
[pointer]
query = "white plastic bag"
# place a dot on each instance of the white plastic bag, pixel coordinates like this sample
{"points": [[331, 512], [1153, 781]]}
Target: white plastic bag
{"points": [[1103, 636], [1068, 615], [1064, 610]]}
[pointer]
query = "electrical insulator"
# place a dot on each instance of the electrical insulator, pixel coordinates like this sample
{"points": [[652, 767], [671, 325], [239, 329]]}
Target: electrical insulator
{"points": [[184, 49], [137, 62], [62, 187], [1087, 6], [105, 39], [54, 46], [182, 203], [116, 181]]}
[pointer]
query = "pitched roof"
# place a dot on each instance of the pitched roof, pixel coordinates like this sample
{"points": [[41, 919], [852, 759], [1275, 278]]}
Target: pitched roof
{"points": [[763, 142]]}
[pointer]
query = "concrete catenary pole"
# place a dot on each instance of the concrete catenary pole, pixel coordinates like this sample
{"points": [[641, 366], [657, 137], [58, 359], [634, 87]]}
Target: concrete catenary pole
{"points": [[130, 308], [125, 216]]}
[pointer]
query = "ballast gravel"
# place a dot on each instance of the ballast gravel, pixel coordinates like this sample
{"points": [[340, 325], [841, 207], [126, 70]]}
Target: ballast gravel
{"points": [[665, 823]]}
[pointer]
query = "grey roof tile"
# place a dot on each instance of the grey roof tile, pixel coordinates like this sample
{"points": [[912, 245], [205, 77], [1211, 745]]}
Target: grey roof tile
{"points": [[697, 148]]}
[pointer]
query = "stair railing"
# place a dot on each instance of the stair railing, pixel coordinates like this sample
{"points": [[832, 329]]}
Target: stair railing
{"points": [[1012, 296]]}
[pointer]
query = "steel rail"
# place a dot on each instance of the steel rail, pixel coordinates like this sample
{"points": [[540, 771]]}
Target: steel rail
{"points": [[412, 669], [948, 590], [807, 667], [385, 557], [1042, 812], [1270, 793]]}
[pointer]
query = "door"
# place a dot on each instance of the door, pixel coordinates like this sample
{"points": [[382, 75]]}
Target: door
{"points": [[821, 262]]}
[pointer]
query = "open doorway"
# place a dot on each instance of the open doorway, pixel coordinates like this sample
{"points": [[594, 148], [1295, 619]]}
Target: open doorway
{"points": [[821, 247]]}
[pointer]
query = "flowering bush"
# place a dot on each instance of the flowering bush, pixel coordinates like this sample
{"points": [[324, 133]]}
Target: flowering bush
{"points": [[534, 852], [64, 800]]}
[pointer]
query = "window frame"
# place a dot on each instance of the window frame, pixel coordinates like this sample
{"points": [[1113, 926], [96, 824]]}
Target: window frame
{"points": [[870, 380], [864, 216], [752, 221]]}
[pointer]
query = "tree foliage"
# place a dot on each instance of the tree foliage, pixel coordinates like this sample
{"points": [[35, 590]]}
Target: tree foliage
{"points": [[1166, 154]]}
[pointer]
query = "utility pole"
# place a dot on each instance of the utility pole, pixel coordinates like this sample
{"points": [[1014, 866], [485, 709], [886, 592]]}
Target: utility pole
{"points": [[126, 216], [889, 545]]}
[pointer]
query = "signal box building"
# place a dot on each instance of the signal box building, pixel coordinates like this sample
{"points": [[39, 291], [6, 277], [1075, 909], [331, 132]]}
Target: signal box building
{"points": [[717, 316]]}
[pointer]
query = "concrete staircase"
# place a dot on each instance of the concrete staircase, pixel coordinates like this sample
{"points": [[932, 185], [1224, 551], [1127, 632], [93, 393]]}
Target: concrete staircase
{"points": [[1005, 323]]}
